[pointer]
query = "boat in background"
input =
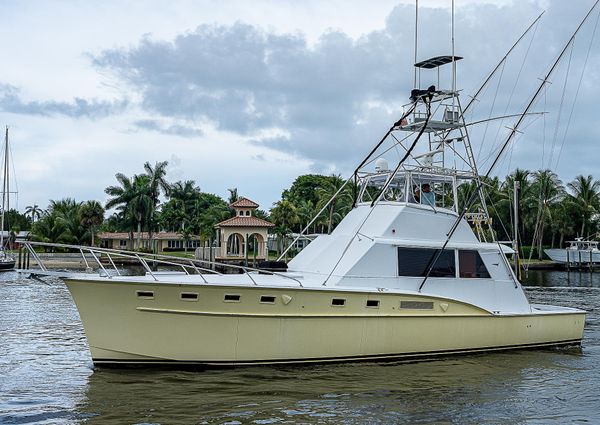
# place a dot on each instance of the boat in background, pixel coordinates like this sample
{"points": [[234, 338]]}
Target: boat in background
{"points": [[7, 261], [580, 251]]}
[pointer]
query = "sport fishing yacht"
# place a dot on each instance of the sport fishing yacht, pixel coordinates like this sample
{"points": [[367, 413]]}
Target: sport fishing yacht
{"points": [[403, 276], [579, 251]]}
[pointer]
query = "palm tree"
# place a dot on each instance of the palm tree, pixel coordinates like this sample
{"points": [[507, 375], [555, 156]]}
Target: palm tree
{"points": [[133, 197], [284, 215], [34, 212], [158, 183], [233, 195], [338, 207], [549, 190], [306, 212], [91, 216], [184, 195], [585, 195]]}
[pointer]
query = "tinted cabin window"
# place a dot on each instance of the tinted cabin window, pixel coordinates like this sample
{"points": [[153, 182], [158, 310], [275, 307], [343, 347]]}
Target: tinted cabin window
{"points": [[416, 261], [471, 265]]}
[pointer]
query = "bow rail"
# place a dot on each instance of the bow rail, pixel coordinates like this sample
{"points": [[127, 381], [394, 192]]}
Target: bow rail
{"points": [[188, 265]]}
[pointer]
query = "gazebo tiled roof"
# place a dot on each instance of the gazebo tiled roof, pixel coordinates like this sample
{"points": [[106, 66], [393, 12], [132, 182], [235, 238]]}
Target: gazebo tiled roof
{"points": [[244, 203], [246, 221]]}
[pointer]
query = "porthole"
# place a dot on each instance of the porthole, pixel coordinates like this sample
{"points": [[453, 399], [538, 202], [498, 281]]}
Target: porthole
{"points": [[232, 298], [373, 303], [267, 299], [189, 296], [338, 302], [146, 295]]}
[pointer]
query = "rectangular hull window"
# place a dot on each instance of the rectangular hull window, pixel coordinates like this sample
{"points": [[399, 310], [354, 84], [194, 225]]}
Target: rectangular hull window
{"points": [[471, 265], [416, 262]]}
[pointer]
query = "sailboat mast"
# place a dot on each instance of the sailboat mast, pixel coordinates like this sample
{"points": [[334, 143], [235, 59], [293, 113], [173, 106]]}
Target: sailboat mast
{"points": [[5, 189]]}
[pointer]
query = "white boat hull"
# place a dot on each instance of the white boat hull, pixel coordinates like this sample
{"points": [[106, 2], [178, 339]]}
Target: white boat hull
{"points": [[574, 256], [123, 328]]}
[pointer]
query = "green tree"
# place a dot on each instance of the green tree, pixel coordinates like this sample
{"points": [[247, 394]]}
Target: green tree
{"points": [[158, 184], [585, 196], [284, 216], [338, 207], [34, 212], [549, 190], [91, 216], [133, 197]]}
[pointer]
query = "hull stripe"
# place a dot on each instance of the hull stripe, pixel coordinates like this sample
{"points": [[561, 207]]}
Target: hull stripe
{"points": [[373, 357]]}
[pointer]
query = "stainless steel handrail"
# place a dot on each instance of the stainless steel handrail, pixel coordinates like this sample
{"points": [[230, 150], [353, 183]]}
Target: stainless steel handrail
{"points": [[143, 258]]}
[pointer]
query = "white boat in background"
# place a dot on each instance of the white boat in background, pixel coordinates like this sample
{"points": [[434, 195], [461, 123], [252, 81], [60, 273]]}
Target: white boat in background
{"points": [[579, 251], [403, 276]]}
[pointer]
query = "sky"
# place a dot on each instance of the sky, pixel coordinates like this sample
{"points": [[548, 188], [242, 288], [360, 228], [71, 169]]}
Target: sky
{"points": [[252, 94]]}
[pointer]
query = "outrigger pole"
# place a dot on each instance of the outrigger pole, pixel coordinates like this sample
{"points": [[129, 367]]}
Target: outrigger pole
{"points": [[491, 74], [513, 132]]}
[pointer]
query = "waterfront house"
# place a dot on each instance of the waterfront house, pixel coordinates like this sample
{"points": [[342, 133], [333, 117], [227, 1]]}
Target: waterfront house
{"points": [[163, 241]]}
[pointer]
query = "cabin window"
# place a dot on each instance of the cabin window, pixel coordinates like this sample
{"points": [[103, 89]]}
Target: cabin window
{"points": [[189, 296], [373, 303], [471, 265], [146, 295], [232, 298], [338, 302], [267, 299], [416, 262]]}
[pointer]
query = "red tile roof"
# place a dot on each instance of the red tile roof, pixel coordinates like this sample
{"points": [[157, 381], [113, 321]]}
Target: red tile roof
{"points": [[244, 203], [244, 222]]}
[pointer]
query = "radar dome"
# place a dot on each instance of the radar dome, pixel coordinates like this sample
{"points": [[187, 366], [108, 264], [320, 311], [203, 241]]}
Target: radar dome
{"points": [[381, 165]]}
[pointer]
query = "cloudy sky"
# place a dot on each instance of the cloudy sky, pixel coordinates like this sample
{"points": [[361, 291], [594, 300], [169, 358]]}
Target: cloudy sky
{"points": [[252, 94]]}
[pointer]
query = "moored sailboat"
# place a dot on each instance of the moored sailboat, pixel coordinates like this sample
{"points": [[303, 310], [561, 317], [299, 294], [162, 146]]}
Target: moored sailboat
{"points": [[7, 261]]}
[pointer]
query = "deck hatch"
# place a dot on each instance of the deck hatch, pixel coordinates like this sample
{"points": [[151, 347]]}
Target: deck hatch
{"points": [[338, 302], [373, 303], [232, 298], [416, 305], [147, 295], [267, 299], [189, 296]]}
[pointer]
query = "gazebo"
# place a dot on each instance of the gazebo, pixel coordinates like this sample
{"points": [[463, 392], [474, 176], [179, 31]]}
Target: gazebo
{"points": [[244, 236]]}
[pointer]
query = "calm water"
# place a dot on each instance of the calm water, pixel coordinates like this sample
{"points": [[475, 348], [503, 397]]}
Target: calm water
{"points": [[46, 376]]}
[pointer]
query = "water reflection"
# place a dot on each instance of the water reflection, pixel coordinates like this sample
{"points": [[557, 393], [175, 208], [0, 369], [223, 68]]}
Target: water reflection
{"points": [[461, 390], [556, 278], [46, 376]]}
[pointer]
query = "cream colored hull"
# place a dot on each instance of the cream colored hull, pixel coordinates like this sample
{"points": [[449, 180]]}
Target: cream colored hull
{"points": [[300, 325]]}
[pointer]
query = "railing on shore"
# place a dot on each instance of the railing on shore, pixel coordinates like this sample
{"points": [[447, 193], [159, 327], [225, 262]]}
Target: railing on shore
{"points": [[188, 265]]}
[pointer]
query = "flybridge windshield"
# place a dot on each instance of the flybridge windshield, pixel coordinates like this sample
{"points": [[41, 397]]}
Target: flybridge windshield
{"points": [[433, 190]]}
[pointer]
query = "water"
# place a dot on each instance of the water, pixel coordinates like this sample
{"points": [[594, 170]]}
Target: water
{"points": [[46, 376]]}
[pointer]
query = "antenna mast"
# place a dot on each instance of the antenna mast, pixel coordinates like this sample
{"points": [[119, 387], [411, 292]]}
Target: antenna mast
{"points": [[416, 39]]}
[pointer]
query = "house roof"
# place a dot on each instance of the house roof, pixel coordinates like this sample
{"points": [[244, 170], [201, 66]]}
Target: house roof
{"points": [[143, 235], [244, 203], [245, 221]]}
